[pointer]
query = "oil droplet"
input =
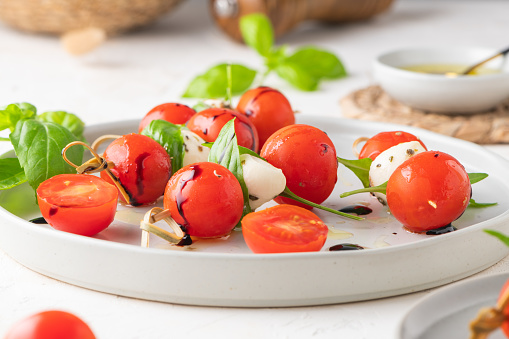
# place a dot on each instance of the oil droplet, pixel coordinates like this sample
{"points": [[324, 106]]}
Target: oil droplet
{"points": [[380, 242], [337, 234]]}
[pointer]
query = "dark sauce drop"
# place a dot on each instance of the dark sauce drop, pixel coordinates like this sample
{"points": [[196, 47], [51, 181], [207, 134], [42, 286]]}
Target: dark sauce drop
{"points": [[39, 220], [356, 209], [346, 247], [442, 230], [185, 241], [53, 210]]}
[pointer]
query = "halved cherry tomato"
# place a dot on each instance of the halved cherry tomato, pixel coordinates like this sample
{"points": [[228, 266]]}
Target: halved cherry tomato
{"points": [[173, 112], [141, 164], [428, 191], [268, 109], [51, 325], [209, 122], [284, 228], [77, 203], [205, 198], [307, 157], [385, 140]]}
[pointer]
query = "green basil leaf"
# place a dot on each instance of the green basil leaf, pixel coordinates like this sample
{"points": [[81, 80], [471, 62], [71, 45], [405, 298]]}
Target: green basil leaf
{"points": [[476, 177], [68, 120], [225, 151], [11, 114], [39, 146], [170, 137], [11, 173], [359, 167], [214, 82], [500, 236], [474, 204], [319, 63], [257, 32], [297, 76]]}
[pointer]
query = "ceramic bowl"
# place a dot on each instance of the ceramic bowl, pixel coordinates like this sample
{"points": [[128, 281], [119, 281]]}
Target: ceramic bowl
{"points": [[438, 92]]}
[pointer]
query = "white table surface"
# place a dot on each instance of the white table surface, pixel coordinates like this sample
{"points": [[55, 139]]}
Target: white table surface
{"points": [[131, 73]]}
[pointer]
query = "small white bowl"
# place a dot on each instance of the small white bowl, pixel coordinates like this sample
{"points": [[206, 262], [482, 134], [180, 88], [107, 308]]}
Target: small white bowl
{"points": [[439, 93]]}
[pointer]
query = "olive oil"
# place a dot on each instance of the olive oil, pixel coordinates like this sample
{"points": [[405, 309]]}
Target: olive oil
{"points": [[447, 69]]}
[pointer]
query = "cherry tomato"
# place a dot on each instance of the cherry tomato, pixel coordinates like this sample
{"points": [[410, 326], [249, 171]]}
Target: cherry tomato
{"points": [[205, 198], [142, 166], [268, 109], [173, 112], [77, 203], [385, 140], [208, 123], [428, 191], [505, 324], [51, 325], [284, 228], [308, 160]]}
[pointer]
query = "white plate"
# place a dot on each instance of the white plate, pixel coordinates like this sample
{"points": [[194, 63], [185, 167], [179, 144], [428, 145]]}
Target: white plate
{"points": [[447, 312], [225, 273]]}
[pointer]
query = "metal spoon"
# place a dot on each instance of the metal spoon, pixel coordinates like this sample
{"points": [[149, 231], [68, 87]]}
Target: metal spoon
{"points": [[472, 68]]}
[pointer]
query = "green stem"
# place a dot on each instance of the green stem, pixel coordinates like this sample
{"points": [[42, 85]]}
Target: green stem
{"points": [[229, 86], [376, 189], [289, 194]]}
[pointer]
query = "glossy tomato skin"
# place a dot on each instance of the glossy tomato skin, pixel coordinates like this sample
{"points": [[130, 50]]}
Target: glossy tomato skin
{"points": [[307, 157], [208, 123], [77, 203], [282, 229], [51, 325], [385, 140], [205, 198], [268, 109], [172, 112], [428, 191], [141, 164], [505, 324]]}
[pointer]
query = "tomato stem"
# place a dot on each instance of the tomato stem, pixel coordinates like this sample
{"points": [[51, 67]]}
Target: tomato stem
{"points": [[375, 189], [289, 194]]}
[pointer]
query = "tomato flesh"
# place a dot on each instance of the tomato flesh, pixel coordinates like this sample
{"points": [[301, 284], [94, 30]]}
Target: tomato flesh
{"points": [[51, 325], [172, 112], [209, 122], [307, 157], [142, 166], [284, 228], [385, 140], [428, 191], [205, 198], [268, 109], [77, 203]]}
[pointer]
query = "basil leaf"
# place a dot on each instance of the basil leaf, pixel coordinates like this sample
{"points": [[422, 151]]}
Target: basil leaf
{"points": [[39, 146], [214, 82], [225, 151], [359, 167], [297, 76], [170, 137], [11, 173], [476, 177], [319, 63], [500, 236], [68, 120], [475, 204], [257, 32], [11, 114]]}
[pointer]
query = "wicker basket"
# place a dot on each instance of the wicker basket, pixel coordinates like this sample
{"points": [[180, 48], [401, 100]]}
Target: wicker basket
{"points": [[61, 16]]}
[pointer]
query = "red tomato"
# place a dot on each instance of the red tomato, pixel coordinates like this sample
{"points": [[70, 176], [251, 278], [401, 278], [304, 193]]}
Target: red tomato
{"points": [[428, 191], [173, 112], [505, 324], [142, 166], [51, 325], [208, 123], [268, 109], [284, 228], [308, 160], [77, 203], [205, 198], [385, 140]]}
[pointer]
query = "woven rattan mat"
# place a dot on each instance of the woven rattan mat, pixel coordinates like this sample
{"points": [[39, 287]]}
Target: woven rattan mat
{"points": [[372, 103]]}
